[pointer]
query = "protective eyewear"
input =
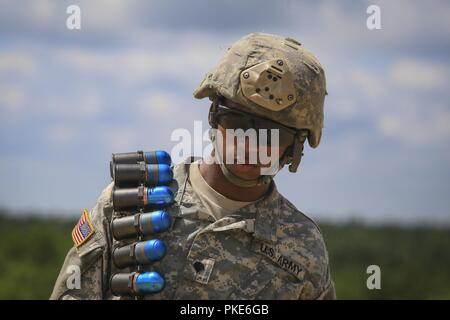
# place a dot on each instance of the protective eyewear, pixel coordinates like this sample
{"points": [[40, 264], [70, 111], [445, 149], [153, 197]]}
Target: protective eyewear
{"points": [[235, 119]]}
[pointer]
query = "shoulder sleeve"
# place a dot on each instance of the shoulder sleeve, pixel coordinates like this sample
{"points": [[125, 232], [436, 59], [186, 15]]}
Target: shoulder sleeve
{"points": [[302, 241], [85, 272], [313, 255]]}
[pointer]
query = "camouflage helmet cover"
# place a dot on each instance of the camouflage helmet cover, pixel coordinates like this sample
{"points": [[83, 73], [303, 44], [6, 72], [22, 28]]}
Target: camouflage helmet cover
{"points": [[248, 74]]}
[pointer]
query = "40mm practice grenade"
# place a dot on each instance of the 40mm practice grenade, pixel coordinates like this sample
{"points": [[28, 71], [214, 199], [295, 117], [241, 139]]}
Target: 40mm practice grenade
{"points": [[149, 157], [142, 197], [133, 175], [140, 224], [136, 284], [139, 253]]}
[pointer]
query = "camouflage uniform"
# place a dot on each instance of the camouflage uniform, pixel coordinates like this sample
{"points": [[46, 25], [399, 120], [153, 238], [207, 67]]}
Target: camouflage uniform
{"points": [[266, 250]]}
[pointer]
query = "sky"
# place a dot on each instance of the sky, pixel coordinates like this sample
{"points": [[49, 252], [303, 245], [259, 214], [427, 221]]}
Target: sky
{"points": [[124, 82]]}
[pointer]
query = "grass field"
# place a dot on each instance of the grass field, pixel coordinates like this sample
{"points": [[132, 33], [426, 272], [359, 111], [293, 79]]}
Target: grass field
{"points": [[414, 262]]}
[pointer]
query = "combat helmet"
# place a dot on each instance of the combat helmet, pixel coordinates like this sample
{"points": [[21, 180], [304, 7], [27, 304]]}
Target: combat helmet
{"points": [[276, 78]]}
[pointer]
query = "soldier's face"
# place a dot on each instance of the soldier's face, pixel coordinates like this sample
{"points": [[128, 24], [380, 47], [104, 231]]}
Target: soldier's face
{"points": [[246, 159]]}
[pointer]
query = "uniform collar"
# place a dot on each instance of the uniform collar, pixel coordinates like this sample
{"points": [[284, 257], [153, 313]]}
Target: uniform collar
{"points": [[261, 215]]}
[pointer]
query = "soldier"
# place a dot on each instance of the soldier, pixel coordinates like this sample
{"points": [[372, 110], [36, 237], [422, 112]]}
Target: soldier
{"points": [[233, 235]]}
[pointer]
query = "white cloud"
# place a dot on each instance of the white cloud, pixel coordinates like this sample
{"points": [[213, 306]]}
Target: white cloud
{"points": [[411, 110], [85, 105], [109, 15], [122, 139], [89, 105], [182, 57], [161, 104], [17, 62], [418, 75], [43, 10], [368, 82], [406, 21], [336, 18], [61, 134], [405, 99], [341, 108], [12, 99], [417, 127]]}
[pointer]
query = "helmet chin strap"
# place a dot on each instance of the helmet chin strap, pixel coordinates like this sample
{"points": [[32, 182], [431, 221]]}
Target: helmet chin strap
{"points": [[295, 156]]}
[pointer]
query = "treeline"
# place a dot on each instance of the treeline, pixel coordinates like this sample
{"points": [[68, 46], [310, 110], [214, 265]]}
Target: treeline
{"points": [[414, 261]]}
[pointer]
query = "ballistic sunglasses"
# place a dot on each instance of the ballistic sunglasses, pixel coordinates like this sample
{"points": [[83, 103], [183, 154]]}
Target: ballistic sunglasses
{"points": [[236, 119]]}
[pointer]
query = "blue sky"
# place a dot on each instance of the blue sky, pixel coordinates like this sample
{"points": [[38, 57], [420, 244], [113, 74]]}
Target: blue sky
{"points": [[68, 99]]}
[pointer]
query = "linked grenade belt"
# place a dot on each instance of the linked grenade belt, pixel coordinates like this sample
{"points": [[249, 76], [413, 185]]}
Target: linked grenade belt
{"points": [[140, 195]]}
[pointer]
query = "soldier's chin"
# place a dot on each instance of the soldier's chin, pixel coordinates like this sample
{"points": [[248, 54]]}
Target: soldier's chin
{"points": [[245, 171]]}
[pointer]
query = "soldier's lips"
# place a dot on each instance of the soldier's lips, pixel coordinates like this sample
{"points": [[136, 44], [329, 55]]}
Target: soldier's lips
{"points": [[246, 165], [245, 168], [245, 162]]}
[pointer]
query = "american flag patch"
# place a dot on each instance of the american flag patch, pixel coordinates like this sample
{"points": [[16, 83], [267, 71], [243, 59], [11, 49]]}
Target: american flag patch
{"points": [[83, 230]]}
